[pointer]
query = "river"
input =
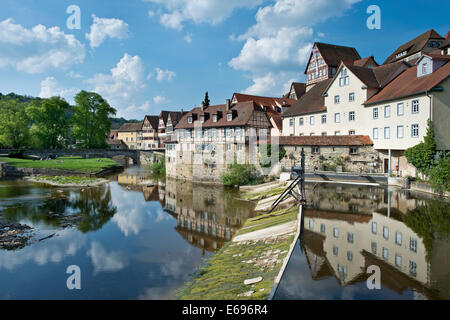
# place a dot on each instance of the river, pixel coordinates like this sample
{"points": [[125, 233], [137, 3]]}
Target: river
{"points": [[142, 238]]}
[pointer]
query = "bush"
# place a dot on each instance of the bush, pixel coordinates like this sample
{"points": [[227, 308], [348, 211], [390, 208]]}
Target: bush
{"points": [[158, 168], [422, 155], [439, 174], [241, 174], [265, 162]]}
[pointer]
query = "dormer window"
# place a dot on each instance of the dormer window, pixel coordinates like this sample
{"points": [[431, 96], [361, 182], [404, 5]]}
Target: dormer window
{"points": [[229, 117], [190, 119], [344, 79], [215, 118], [425, 68], [401, 54]]}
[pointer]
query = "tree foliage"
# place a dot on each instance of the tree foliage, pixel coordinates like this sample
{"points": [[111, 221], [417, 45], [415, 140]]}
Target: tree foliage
{"points": [[14, 124], [240, 175], [206, 102], [422, 155], [91, 122], [51, 122]]}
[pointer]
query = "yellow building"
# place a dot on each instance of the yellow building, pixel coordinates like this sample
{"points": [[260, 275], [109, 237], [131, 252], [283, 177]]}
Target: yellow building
{"points": [[131, 135]]}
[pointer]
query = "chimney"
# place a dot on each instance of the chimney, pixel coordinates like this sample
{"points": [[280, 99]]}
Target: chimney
{"points": [[228, 104]]}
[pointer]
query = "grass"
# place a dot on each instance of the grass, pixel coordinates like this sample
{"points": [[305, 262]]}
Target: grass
{"points": [[261, 195], [223, 275], [76, 164], [67, 180]]}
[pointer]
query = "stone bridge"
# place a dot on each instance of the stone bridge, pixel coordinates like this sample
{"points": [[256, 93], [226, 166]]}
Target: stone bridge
{"points": [[136, 155]]}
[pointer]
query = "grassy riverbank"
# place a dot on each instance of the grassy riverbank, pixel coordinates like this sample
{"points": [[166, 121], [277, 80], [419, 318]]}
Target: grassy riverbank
{"points": [[76, 164], [254, 256]]}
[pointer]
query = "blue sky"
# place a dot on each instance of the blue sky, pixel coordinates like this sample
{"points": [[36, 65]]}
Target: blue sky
{"points": [[147, 55]]}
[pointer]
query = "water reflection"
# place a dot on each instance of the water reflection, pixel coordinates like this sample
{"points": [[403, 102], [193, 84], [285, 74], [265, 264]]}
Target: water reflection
{"points": [[348, 229]]}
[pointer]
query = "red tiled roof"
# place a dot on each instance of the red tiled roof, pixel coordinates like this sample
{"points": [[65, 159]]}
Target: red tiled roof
{"points": [[130, 127], [408, 84], [325, 141], [413, 46], [242, 112], [363, 62], [153, 120], [334, 54], [174, 115], [311, 102], [265, 101]]}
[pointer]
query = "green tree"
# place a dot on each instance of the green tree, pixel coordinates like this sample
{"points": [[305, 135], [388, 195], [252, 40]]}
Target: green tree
{"points": [[91, 123], [241, 174], [14, 124], [422, 155], [206, 102], [51, 122]]}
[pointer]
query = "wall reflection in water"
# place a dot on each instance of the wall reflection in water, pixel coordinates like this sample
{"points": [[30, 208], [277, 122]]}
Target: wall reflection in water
{"points": [[347, 229]]}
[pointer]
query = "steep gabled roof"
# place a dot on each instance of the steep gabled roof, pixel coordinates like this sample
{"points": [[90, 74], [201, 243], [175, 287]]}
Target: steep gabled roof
{"points": [[413, 46], [153, 120], [366, 75], [264, 101], [174, 116], [365, 61], [131, 127], [242, 112], [334, 54], [299, 89], [312, 102], [408, 84]]}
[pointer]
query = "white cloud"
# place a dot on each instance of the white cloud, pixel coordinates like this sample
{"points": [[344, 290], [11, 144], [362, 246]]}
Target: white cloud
{"points": [[162, 75], [276, 47], [74, 75], [159, 100], [50, 87], [104, 261], [211, 12], [124, 82], [103, 28], [38, 49], [188, 38]]}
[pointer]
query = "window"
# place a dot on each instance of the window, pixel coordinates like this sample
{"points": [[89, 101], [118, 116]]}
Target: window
{"points": [[202, 119], [375, 133], [386, 233], [337, 117], [413, 244], [335, 250], [424, 68], [337, 99], [398, 260], [301, 121], [350, 237], [400, 132], [415, 106], [240, 147], [413, 268], [322, 228], [215, 118], [291, 122], [190, 119], [344, 79], [315, 150], [373, 246], [374, 227], [337, 133], [351, 133], [229, 117], [351, 97], [353, 150], [375, 113], [387, 111], [398, 238], [387, 132], [324, 134], [324, 119], [400, 109], [311, 223], [336, 232], [228, 146], [311, 120], [349, 256], [385, 254], [415, 131], [351, 116]]}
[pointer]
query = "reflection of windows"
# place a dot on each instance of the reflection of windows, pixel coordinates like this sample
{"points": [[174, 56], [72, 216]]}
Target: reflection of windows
{"points": [[413, 244], [342, 271], [398, 238], [386, 233], [322, 228], [349, 256], [336, 232], [335, 250], [374, 247], [311, 224], [398, 260], [385, 254], [413, 268], [374, 227], [350, 237]]}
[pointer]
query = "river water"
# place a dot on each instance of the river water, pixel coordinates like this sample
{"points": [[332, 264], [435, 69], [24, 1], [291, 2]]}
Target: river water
{"points": [[142, 238]]}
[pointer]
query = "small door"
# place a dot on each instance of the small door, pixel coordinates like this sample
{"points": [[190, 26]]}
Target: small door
{"points": [[386, 165]]}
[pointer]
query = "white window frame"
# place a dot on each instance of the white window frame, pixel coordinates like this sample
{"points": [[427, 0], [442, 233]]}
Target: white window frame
{"points": [[387, 111], [415, 106], [402, 109], [387, 133], [375, 133], [352, 116], [414, 129], [375, 113], [402, 135], [351, 97], [337, 118]]}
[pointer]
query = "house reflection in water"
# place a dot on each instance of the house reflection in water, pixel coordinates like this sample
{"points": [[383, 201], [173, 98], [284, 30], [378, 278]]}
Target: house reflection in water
{"points": [[345, 232], [136, 181], [207, 216]]}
